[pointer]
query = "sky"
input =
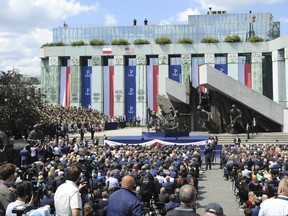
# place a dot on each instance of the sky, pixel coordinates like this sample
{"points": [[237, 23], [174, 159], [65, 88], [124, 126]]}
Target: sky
{"points": [[25, 25]]}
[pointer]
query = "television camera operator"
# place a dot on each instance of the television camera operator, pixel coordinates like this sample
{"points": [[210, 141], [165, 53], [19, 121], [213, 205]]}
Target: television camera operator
{"points": [[24, 192]]}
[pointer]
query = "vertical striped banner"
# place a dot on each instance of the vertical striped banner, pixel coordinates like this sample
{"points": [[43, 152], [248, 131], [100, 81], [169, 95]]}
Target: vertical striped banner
{"points": [[222, 67], [130, 92], [68, 86], [106, 76], [111, 79], [248, 79], [109, 90], [155, 86], [86, 74], [175, 73], [65, 86], [152, 86], [202, 88], [241, 73]]}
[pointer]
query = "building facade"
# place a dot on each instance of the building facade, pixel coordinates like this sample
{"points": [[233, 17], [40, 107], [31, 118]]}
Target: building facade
{"points": [[125, 80]]}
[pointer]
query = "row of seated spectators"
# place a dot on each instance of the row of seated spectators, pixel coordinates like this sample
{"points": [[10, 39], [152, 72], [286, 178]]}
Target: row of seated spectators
{"points": [[59, 120], [159, 171], [255, 171]]}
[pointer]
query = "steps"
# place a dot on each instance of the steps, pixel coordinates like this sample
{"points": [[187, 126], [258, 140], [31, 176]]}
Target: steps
{"points": [[260, 138]]}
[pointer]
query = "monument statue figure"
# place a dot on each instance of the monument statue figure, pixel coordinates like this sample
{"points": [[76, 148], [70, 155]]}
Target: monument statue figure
{"points": [[35, 135]]}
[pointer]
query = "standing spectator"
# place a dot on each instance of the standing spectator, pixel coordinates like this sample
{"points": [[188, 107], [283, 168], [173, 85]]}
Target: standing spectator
{"points": [[237, 140], [248, 130], [187, 195], [67, 199], [6, 195], [277, 206], [24, 156], [208, 155], [254, 126], [124, 201]]}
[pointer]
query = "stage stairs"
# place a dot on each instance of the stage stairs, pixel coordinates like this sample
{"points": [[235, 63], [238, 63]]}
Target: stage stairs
{"points": [[260, 138]]}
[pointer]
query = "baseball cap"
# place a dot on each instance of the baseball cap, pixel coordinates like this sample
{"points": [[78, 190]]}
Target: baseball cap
{"points": [[214, 208]]}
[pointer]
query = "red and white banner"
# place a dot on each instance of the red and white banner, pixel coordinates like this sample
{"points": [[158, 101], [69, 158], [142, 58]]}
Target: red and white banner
{"points": [[154, 142]]}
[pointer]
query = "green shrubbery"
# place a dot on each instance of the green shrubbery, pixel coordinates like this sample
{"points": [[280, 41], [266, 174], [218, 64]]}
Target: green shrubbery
{"points": [[120, 42], [232, 39], [53, 44], [255, 38], [96, 42], [78, 43], [163, 40], [209, 40], [141, 41], [185, 41]]}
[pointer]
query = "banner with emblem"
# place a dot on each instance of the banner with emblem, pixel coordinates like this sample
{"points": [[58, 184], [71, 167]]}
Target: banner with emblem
{"points": [[86, 75], [175, 73], [130, 92], [222, 67]]}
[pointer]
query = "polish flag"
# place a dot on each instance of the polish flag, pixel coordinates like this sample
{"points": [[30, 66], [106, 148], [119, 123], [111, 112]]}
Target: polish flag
{"points": [[107, 50]]}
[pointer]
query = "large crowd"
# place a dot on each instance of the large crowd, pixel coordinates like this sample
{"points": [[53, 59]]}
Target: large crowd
{"points": [[77, 177]]}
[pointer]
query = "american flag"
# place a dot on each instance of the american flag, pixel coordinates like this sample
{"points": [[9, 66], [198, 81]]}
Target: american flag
{"points": [[129, 50]]}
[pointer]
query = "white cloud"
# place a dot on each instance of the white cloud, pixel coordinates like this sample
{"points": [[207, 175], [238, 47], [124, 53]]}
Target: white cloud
{"points": [[26, 26], [183, 16], [110, 20], [284, 20], [229, 5]]}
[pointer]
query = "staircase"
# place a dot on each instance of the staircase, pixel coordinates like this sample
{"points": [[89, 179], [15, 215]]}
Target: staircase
{"points": [[260, 138]]}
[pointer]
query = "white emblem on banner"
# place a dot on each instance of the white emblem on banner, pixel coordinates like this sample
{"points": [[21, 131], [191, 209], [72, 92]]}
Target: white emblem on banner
{"points": [[131, 73], [131, 110], [88, 73], [131, 91], [175, 72], [88, 92]]}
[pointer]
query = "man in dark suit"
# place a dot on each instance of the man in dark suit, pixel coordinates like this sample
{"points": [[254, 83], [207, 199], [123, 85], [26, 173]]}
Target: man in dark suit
{"points": [[208, 155]]}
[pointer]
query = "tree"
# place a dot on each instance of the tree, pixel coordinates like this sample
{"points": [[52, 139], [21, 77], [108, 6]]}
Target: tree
{"points": [[19, 104]]}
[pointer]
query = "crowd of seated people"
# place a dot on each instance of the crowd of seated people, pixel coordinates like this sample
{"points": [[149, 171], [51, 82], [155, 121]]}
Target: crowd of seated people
{"points": [[255, 171], [159, 172], [59, 120]]}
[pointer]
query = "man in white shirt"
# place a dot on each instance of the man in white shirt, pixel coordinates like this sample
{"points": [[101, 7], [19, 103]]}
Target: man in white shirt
{"points": [[67, 198], [277, 206]]}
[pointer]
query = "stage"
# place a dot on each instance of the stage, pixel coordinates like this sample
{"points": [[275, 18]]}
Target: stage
{"points": [[162, 138]]}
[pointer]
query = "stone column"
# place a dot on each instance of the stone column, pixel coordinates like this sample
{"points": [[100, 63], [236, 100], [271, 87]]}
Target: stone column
{"points": [[286, 75], [76, 86], [186, 64], [233, 65], [52, 81], [278, 77], [209, 58], [141, 98], [163, 73], [97, 83], [186, 67], [256, 68], [119, 75]]}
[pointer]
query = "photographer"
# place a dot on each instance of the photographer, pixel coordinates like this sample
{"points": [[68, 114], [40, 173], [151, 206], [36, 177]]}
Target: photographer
{"points": [[24, 191]]}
